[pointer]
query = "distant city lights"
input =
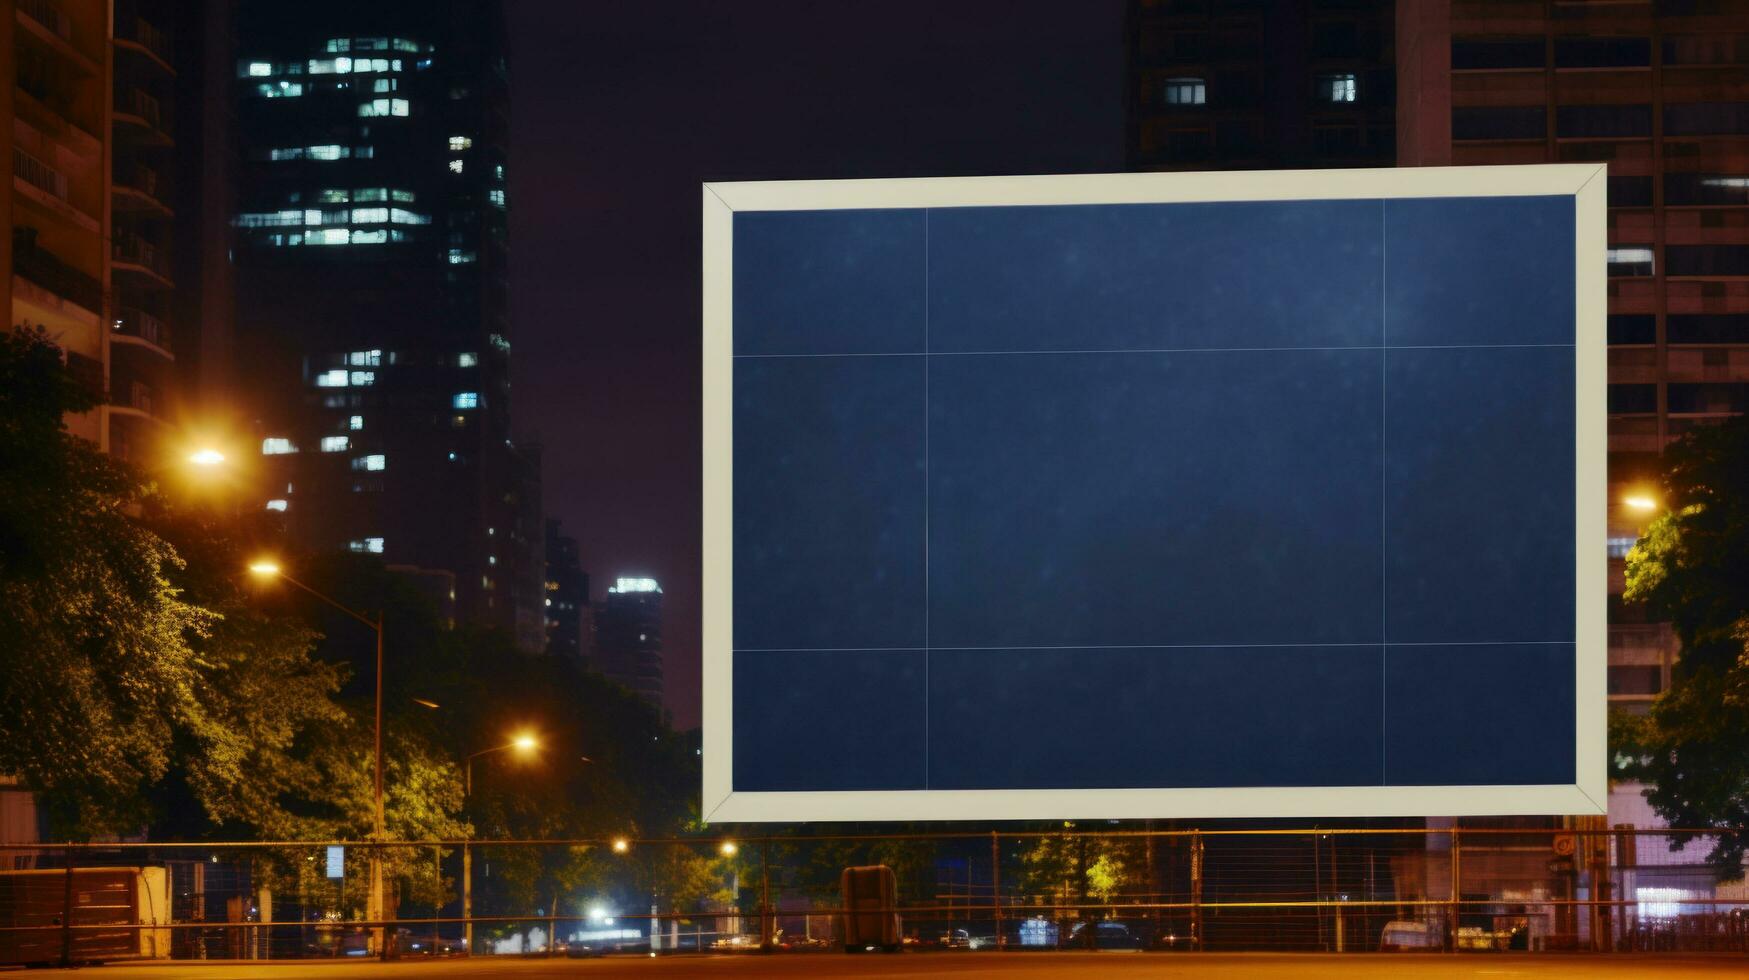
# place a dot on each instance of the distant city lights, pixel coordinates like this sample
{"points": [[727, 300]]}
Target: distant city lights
{"points": [[636, 585]]}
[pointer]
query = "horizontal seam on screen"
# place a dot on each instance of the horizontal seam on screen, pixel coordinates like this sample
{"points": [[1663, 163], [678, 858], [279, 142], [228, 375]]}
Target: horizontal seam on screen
{"points": [[1171, 350], [1166, 646]]}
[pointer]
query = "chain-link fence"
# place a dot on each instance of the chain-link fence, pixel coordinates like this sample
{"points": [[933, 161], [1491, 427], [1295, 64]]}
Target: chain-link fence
{"points": [[1341, 890]]}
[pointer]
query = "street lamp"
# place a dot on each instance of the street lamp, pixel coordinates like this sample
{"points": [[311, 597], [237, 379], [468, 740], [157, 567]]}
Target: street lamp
{"points": [[621, 845], [728, 849], [1644, 503], [267, 568], [206, 458], [523, 743]]}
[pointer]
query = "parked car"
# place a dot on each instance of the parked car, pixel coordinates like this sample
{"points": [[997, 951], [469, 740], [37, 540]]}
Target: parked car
{"points": [[1107, 935]]}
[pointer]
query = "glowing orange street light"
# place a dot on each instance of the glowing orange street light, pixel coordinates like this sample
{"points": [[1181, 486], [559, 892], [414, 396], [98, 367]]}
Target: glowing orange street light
{"points": [[728, 849], [1641, 502], [207, 457], [621, 845], [265, 568]]}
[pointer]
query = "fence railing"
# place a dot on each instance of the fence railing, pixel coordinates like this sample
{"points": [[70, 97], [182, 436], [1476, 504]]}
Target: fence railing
{"points": [[1456, 890]]}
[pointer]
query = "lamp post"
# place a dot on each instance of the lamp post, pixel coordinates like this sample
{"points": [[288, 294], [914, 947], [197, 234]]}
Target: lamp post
{"points": [[270, 569], [523, 743]]}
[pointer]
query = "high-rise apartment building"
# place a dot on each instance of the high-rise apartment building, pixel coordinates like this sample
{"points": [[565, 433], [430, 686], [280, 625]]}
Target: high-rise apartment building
{"points": [[55, 259], [628, 636], [1659, 91], [373, 291], [1249, 84]]}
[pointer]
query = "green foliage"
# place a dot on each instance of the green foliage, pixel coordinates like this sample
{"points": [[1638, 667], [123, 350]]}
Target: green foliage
{"points": [[1692, 567], [95, 641]]}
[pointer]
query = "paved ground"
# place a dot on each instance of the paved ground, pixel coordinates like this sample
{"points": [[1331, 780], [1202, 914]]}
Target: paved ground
{"points": [[1219, 966]]}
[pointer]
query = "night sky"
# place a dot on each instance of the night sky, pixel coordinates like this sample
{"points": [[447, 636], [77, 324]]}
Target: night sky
{"points": [[622, 109]]}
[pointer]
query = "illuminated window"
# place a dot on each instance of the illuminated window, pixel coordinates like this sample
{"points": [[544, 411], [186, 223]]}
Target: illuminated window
{"points": [[455, 166], [327, 236], [1336, 88], [498, 171], [329, 151], [377, 237], [373, 462], [284, 89], [501, 342], [332, 379], [372, 545], [276, 505], [459, 143], [1186, 91], [325, 66], [466, 360], [333, 195], [1619, 547], [461, 256], [491, 559], [269, 219], [338, 44], [336, 444], [1630, 260], [375, 107], [401, 216], [259, 68], [355, 423], [496, 196], [362, 378], [276, 446], [369, 216], [636, 585], [465, 399], [403, 196], [402, 44], [385, 85], [368, 194], [364, 358]]}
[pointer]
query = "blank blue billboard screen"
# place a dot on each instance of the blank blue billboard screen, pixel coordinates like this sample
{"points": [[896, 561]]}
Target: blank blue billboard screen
{"points": [[1154, 495]]}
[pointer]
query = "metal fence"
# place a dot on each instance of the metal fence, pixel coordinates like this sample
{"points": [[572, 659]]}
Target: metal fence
{"points": [[1448, 889]]}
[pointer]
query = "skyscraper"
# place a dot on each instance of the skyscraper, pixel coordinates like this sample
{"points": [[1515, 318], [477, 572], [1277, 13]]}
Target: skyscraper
{"points": [[373, 291], [628, 636], [569, 621], [1249, 84]]}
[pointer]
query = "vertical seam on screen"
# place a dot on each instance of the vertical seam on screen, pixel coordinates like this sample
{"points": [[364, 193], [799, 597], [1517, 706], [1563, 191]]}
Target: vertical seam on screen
{"points": [[1384, 486], [926, 682]]}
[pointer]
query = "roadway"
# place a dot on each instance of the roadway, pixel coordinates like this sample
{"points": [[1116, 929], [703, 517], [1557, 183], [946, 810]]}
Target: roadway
{"points": [[1215, 966]]}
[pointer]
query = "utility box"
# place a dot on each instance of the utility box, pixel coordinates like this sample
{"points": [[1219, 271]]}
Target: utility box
{"points": [[871, 915]]}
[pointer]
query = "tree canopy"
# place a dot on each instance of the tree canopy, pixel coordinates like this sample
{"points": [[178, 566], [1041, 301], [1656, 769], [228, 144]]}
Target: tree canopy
{"points": [[1692, 568]]}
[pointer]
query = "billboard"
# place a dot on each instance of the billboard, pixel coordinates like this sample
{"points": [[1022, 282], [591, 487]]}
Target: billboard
{"points": [[1155, 495]]}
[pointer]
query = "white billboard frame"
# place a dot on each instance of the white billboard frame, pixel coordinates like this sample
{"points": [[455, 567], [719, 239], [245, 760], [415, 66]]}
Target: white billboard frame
{"points": [[1588, 794]]}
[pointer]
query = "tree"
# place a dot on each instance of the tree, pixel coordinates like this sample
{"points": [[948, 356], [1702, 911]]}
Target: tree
{"points": [[95, 641], [1692, 567]]}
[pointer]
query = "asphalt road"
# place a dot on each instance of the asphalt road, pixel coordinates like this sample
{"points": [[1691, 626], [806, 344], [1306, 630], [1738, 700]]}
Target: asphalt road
{"points": [[1219, 966]]}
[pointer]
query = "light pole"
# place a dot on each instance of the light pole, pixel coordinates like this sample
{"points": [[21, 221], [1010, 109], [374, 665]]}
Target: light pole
{"points": [[524, 744], [374, 912]]}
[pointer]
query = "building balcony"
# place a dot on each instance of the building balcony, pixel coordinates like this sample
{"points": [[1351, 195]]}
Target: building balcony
{"points": [[141, 37], [139, 188], [139, 328], [132, 254], [44, 268], [50, 27], [140, 115]]}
